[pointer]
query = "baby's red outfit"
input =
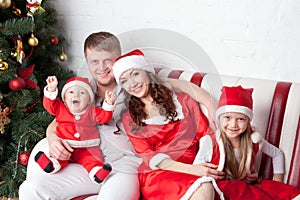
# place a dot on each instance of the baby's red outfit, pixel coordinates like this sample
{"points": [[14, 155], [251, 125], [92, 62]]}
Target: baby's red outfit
{"points": [[81, 132]]}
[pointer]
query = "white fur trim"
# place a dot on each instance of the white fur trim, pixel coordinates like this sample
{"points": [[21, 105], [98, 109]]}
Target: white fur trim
{"points": [[92, 173], [77, 83], [56, 165], [198, 183], [50, 95], [107, 106], [158, 158], [130, 62], [234, 108], [205, 150], [84, 143]]}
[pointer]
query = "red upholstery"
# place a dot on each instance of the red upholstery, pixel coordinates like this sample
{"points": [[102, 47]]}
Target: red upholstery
{"points": [[275, 125], [294, 172]]}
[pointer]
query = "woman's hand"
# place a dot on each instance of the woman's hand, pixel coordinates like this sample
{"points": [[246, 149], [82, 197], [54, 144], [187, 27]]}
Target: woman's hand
{"points": [[208, 169]]}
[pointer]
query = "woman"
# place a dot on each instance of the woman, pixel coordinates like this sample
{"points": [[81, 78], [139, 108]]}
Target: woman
{"points": [[165, 129]]}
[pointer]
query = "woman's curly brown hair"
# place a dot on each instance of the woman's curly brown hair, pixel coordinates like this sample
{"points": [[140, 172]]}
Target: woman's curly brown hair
{"points": [[162, 98]]}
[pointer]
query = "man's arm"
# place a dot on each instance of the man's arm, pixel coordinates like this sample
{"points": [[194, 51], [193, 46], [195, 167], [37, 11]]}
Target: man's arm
{"points": [[58, 148], [198, 94]]}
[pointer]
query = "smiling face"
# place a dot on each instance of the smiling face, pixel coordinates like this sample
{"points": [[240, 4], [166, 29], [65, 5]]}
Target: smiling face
{"points": [[100, 65], [233, 124], [77, 98], [135, 82]]}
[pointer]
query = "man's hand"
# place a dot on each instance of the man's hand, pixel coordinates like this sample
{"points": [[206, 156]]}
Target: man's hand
{"points": [[59, 149]]}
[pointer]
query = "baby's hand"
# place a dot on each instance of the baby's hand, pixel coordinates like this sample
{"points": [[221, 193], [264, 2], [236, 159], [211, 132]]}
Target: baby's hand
{"points": [[110, 97], [52, 83]]}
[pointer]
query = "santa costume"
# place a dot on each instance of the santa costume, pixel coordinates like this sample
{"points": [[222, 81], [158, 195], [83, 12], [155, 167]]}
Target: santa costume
{"points": [[79, 130], [163, 139], [238, 99]]}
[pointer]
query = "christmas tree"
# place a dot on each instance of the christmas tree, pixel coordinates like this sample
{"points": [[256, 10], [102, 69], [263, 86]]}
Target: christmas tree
{"points": [[31, 49]]}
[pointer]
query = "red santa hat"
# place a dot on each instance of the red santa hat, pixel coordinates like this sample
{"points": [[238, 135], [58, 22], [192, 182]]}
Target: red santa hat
{"points": [[78, 81], [236, 99], [132, 60]]}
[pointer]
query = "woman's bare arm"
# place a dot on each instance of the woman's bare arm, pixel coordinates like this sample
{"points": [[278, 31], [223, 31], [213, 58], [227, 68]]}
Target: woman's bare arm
{"points": [[198, 94], [204, 169]]}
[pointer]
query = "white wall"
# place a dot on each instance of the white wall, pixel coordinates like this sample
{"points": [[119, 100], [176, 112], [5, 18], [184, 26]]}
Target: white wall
{"points": [[251, 38]]}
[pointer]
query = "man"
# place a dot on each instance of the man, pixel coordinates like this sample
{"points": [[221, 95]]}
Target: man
{"points": [[101, 50]]}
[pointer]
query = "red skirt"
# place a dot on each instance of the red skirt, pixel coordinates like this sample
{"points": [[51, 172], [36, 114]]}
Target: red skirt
{"points": [[165, 185], [266, 190]]}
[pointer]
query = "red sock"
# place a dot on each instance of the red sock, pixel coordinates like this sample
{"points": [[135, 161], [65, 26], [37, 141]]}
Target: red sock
{"points": [[44, 162], [102, 173]]}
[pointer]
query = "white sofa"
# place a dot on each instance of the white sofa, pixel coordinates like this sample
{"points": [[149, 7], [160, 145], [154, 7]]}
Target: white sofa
{"points": [[276, 114], [276, 107]]}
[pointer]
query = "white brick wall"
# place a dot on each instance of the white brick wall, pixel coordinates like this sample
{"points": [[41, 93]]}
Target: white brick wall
{"points": [[251, 38]]}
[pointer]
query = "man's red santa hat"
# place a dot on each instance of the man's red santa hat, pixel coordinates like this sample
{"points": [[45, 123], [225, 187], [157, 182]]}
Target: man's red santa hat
{"points": [[78, 81], [236, 99], [132, 60]]}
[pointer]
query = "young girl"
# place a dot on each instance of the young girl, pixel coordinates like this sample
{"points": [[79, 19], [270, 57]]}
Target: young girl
{"points": [[236, 150], [77, 120], [164, 129]]}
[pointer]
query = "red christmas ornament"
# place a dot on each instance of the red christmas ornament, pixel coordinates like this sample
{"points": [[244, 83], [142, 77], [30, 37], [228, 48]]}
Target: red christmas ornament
{"points": [[17, 84], [23, 158], [54, 40]]}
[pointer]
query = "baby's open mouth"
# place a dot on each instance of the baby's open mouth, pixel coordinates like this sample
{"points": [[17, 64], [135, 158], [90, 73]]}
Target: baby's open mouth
{"points": [[75, 102]]}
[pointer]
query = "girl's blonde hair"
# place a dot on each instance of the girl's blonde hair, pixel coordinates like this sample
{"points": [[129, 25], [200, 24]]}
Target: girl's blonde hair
{"points": [[233, 169]]}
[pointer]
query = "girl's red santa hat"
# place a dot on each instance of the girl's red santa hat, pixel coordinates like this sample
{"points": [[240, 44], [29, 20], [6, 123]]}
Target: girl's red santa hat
{"points": [[132, 60], [78, 81], [236, 99]]}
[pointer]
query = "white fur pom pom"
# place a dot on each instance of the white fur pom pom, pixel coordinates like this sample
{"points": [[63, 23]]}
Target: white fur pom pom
{"points": [[256, 137]]}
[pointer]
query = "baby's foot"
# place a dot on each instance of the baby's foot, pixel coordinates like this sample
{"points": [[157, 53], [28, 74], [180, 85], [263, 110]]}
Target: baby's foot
{"points": [[102, 173], [44, 162]]}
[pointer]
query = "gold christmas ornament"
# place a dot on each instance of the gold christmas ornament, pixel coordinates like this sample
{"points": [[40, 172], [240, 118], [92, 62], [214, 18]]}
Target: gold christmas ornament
{"points": [[16, 11], [3, 65], [4, 4], [33, 41], [4, 119], [63, 57]]}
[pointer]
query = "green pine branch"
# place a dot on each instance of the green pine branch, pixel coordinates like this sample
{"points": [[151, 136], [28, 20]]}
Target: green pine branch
{"points": [[16, 26]]}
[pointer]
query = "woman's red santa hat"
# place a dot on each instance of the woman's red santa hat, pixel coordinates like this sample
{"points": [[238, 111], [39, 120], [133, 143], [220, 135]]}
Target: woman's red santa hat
{"points": [[236, 99], [78, 81], [132, 60]]}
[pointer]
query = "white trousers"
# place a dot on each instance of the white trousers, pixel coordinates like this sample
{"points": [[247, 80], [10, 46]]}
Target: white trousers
{"points": [[73, 181]]}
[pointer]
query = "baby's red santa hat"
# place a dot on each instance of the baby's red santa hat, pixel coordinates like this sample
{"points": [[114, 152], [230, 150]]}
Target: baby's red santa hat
{"points": [[78, 81], [236, 99], [132, 60]]}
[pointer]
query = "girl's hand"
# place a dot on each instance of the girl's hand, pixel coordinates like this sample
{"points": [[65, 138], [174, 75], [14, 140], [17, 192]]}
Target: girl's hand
{"points": [[252, 178]]}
